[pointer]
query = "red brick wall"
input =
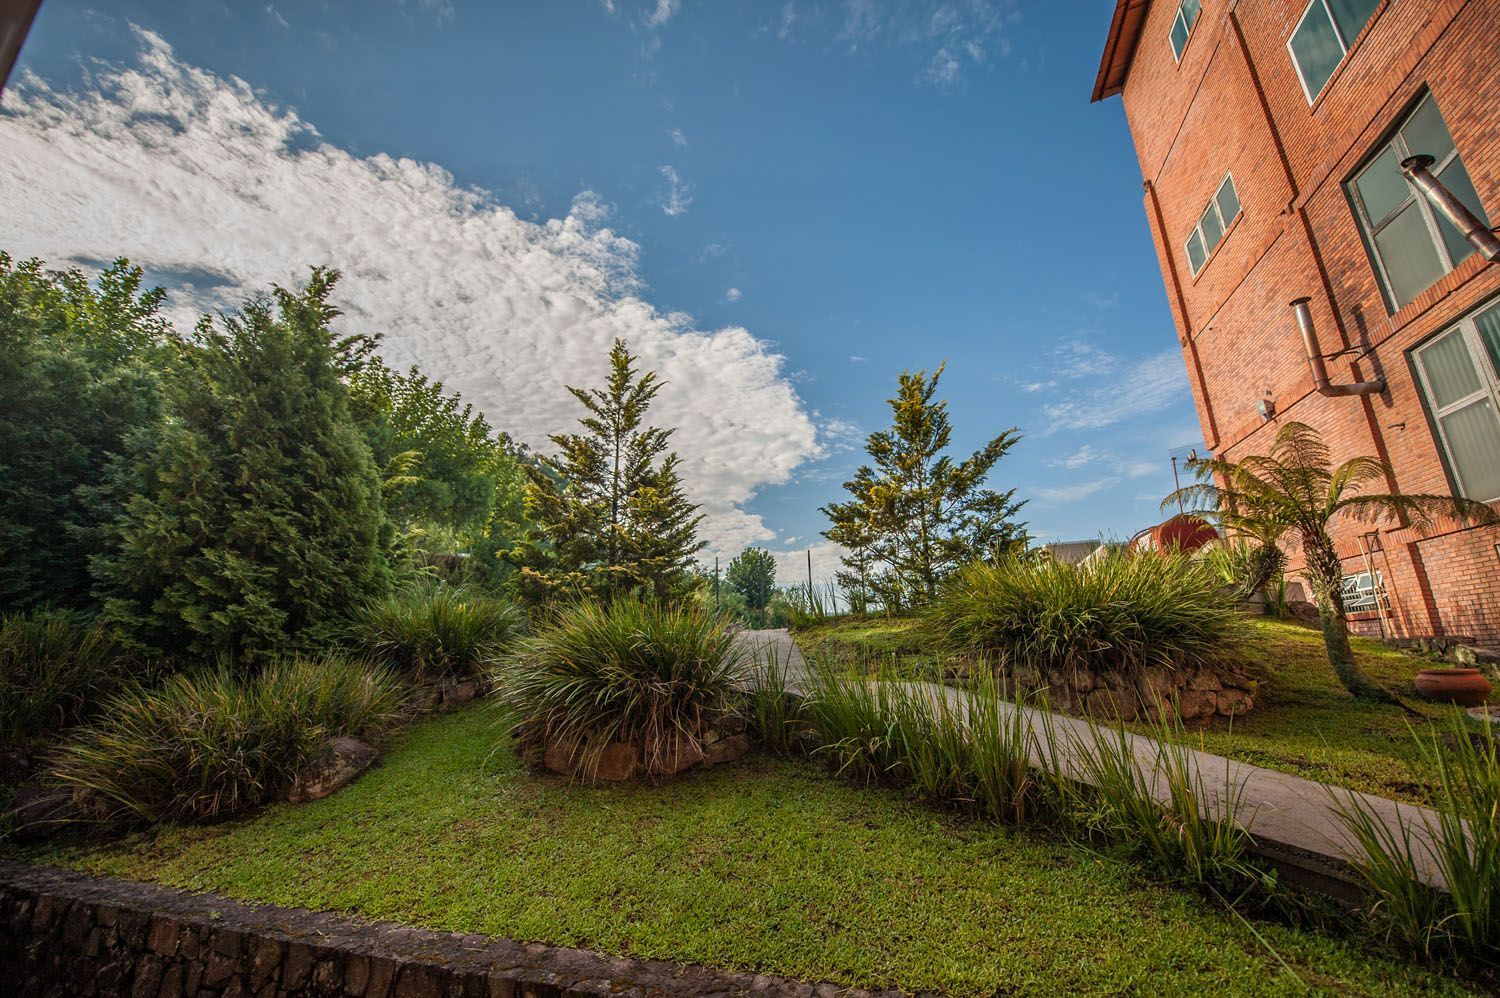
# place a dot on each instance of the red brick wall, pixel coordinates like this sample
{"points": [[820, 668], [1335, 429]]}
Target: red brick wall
{"points": [[1234, 104]]}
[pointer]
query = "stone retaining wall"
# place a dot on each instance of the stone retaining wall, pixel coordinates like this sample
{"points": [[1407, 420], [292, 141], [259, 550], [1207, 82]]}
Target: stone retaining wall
{"points": [[1199, 694], [64, 934]]}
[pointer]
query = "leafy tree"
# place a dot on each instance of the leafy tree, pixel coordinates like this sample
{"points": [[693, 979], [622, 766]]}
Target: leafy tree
{"points": [[917, 514], [77, 375], [255, 519], [753, 576], [611, 516], [1295, 490]]}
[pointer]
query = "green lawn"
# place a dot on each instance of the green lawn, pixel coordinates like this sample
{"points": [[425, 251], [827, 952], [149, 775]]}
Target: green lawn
{"points": [[1303, 722], [763, 865]]}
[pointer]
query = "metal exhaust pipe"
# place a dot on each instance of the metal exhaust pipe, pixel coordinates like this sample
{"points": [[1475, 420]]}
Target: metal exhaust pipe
{"points": [[1418, 170], [1316, 363]]}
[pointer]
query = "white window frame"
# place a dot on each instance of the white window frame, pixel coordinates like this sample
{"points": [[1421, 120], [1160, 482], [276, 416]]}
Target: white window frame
{"points": [[1188, 36], [1363, 592], [1224, 223], [1370, 228], [1489, 386], [1338, 33]]}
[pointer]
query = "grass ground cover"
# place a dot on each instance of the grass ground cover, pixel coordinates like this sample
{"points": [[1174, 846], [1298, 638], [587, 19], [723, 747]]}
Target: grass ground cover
{"points": [[767, 865], [1304, 721]]}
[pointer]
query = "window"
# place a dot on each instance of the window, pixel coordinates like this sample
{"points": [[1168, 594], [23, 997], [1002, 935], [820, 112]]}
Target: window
{"points": [[1410, 243], [1212, 224], [1363, 592], [1460, 373], [1182, 25], [1323, 37]]}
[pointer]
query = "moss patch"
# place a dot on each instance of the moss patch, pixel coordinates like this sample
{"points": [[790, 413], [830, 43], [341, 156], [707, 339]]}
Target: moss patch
{"points": [[763, 865]]}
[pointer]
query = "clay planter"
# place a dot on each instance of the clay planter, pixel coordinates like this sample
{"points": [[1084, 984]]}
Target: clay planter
{"points": [[1465, 687]]}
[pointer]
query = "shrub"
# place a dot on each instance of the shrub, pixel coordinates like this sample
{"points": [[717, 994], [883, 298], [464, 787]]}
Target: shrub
{"points": [[1118, 614], [631, 671], [1462, 846], [772, 708], [1159, 805], [431, 630], [206, 746], [965, 748], [54, 668]]}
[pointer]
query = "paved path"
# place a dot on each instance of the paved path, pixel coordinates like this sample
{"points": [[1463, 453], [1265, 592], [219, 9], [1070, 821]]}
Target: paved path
{"points": [[1292, 819]]}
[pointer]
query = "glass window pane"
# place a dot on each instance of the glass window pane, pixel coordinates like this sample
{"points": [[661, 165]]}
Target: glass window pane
{"points": [[1195, 252], [1190, 12], [1229, 201], [1381, 187], [1411, 260], [1473, 435], [1426, 132], [1317, 48], [1488, 322], [1352, 16], [1179, 35], [1213, 231], [1449, 369], [1456, 179]]}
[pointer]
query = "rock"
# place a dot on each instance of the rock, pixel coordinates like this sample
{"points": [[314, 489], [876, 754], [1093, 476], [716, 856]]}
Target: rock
{"points": [[40, 811], [726, 749], [1113, 704], [1233, 703], [1204, 679], [673, 755], [559, 757], [460, 692], [1303, 610], [618, 761], [338, 763], [1195, 705]]}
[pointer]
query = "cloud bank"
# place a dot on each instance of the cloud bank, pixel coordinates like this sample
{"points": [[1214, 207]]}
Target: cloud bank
{"points": [[207, 185]]}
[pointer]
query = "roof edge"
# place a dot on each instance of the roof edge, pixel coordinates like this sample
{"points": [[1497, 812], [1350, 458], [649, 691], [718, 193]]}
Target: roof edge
{"points": [[1119, 47]]}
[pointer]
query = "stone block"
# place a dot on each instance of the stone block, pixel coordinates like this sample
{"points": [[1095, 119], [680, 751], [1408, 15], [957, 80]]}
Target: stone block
{"points": [[726, 750], [338, 763]]}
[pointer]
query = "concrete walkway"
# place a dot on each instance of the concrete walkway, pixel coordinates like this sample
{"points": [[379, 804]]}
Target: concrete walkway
{"points": [[1291, 819]]}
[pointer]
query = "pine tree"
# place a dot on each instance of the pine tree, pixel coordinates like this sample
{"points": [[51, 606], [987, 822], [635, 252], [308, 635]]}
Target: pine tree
{"points": [[609, 518], [916, 515], [752, 575], [255, 519]]}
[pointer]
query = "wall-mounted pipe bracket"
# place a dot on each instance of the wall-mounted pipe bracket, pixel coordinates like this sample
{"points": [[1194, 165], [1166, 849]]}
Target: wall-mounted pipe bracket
{"points": [[1316, 362]]}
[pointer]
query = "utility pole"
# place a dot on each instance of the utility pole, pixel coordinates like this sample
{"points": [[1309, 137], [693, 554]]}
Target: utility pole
{"points": [[716, 583], [1177, 484]]}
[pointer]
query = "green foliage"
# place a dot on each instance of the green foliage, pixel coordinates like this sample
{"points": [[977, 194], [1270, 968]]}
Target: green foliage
{"points": [[1295, 489], [1119, 613], [753, 576], [255, 520], [965, 748], [431, 631], [55, 667], [633, 671], [772, 707], [610, 513], [1151, 797], [206, 746], [917, 514], [78, 373], [1246, 568], [1462, 846]]}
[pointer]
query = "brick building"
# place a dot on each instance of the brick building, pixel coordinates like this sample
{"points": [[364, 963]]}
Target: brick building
{"points": [[1270, 135]]}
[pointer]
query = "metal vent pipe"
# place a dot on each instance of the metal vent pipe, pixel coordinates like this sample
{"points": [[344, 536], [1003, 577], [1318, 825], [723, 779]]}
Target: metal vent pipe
{"points": [[1418, 170], [1315, 360]]}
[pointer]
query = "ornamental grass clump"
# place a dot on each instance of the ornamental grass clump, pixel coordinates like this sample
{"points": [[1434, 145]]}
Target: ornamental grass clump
{"points": [[653, 678], [962, 748], [1461, 844], [55, 667], [206, 746], [1121, 613], [430, 631]]}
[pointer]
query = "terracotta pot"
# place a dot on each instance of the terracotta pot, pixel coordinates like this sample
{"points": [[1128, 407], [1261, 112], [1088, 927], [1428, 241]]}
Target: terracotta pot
{"points": [[1465, 687]]}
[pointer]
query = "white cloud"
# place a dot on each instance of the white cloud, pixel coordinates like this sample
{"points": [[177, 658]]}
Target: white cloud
{"points": [[733, 295], [1077, 491], [677, 137], [276, 16], [1142, 387], [791, 566], [190, 173], [855, 358], [788, 19], [951, 37], [1085, 455], [838, 435], [664, 12], [678, 196]]}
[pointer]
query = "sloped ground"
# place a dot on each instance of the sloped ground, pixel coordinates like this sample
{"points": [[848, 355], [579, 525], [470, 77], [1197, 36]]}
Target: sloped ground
{"points": [[762, 865]]}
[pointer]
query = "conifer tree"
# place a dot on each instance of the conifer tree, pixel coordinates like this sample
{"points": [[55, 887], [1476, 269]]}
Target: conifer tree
{"points": [[752, 574], [917, 514], [255, 519], [610, 512]]}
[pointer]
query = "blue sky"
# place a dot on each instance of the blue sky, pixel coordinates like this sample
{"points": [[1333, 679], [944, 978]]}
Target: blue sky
{"points": [[785, 204]]}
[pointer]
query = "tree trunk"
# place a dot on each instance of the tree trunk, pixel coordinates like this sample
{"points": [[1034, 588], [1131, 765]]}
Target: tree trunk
{"points": [[1326, 575]]}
